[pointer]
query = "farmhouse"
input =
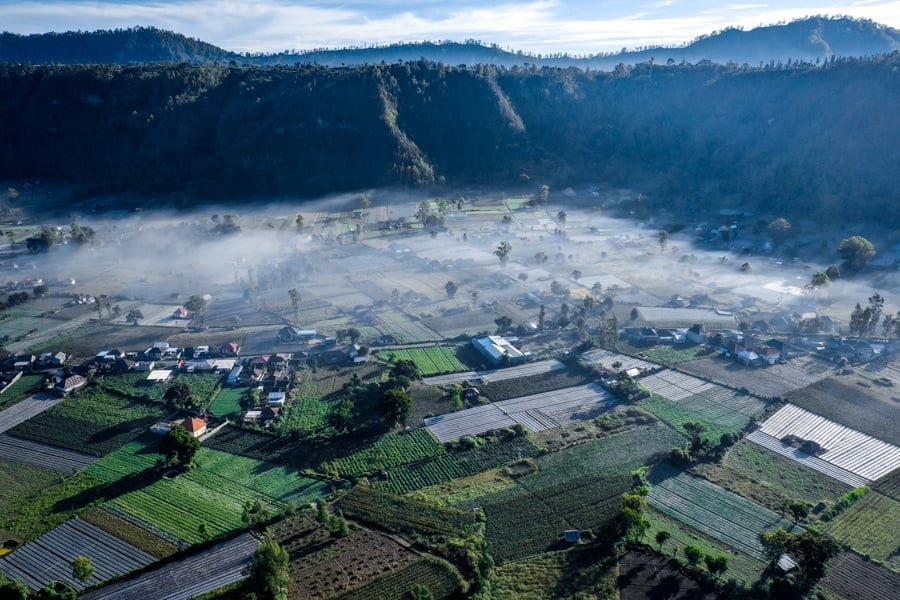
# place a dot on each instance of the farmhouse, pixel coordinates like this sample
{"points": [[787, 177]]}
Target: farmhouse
{"points": [[498, 350], [292, 334], [180, 313], [230, 349], [70, 384], [277, 399], [196, 427]]}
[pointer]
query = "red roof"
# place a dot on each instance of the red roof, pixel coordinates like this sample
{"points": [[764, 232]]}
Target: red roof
{"points": [[194, 424]]}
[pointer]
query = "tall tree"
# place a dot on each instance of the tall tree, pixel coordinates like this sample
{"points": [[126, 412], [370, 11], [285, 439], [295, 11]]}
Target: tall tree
{"points": [[856, 251], [780, 230], [269, 570], [82, 568], [502, 252]]}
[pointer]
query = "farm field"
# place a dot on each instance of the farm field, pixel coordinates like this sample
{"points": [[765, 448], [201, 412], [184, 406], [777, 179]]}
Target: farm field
{"points": [[669, 356], [36, 454], [437, 576], [434, 360], [188, 577], [712, 510], [850, 577], [673, 414], [19, 482], [492, 375], [306, 414], [228, 402], [864, 527], [647, 575], [742, 567], [607, 358], [842, 446], [387, 452], [889, 485], [507, 389], [271, 448], [92, 422], [871, 410], [405, 514], [767, 382], [713, 403], [459, 491], [786, 450], [767, 478], [204, 386], [26, 385], [408, 478], [345, 564], [26, 409], [578, 573], [578, 487], [214, 492], [129, 532], [134, 457], [536, 412], [55, 550]]}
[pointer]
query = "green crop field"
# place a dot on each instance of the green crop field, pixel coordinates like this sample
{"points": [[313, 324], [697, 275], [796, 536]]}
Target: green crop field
{"points": [[389, 451], [20, 482], [306, 414], [712, 510], [214, 492], [670, 356], [866, 527], [676, 416], [94, 422], [228, 402], [578, 487], [434, 360], [740, 566], [53, 505], [26, 385], [408, 478], [768, 478], [405, 514], [205, 386], [438, 577]]}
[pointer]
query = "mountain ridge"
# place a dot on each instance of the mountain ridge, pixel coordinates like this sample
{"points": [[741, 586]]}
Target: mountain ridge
{"points": [[811, 39]]}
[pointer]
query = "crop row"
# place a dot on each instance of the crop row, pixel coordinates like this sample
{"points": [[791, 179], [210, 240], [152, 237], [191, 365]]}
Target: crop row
{"points": [[133, 457], [270, 448], [716, 512], [400, 513], [676, 416], [438, 577], [408, 478], [435, 360], [86, 435], [865, 526], [388, 452]]}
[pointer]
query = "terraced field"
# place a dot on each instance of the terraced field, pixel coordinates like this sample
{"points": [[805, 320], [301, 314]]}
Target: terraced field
{"points": [[713, 511], [48, 558]]}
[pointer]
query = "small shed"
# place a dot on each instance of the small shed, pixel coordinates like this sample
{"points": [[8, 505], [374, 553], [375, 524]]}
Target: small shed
{"points": [[572, 536], [159, 376], [786, 563], [277, 399]]}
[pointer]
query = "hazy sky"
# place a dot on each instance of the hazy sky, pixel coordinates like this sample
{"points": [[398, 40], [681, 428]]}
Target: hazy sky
{"points": [[543, 26]]}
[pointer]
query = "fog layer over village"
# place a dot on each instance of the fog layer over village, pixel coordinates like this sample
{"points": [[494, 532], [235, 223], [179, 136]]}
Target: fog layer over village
{"points": [[378, 259]]}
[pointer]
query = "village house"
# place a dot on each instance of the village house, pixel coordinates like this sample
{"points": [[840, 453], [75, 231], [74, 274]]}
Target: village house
{"points": [[230, 349], [195, 426], [180, 313], [696, 334], [70, 384]]}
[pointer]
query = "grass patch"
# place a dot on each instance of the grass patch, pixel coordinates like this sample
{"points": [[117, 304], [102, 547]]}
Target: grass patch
{"points": [[767, 478], [54, 505], [459, 491]]}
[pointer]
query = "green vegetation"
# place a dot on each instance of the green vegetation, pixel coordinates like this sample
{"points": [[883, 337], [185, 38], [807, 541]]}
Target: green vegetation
{"points": [[178, 447], [389, 451], [19, 482], [128, 532], [134, 457], [405, 514], [740, 566], [25, 386], [676, 416], [228, 402], [269, 570], [94, 422], [434, 360], [769, 479], [440, 578], [459, 491], [408, 478], [56, 504], [670, 356], [202, 386], [306, 414], [863, 526]]}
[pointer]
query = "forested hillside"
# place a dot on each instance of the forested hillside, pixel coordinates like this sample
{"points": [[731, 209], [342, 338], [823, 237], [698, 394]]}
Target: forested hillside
{"points": [[813, 140]]}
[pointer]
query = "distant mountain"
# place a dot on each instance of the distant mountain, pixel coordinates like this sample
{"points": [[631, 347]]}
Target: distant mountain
{"points": [[810, 40], [137, 45]]}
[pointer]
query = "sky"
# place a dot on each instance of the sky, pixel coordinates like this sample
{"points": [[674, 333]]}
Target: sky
{"points": [[538, 26]]}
